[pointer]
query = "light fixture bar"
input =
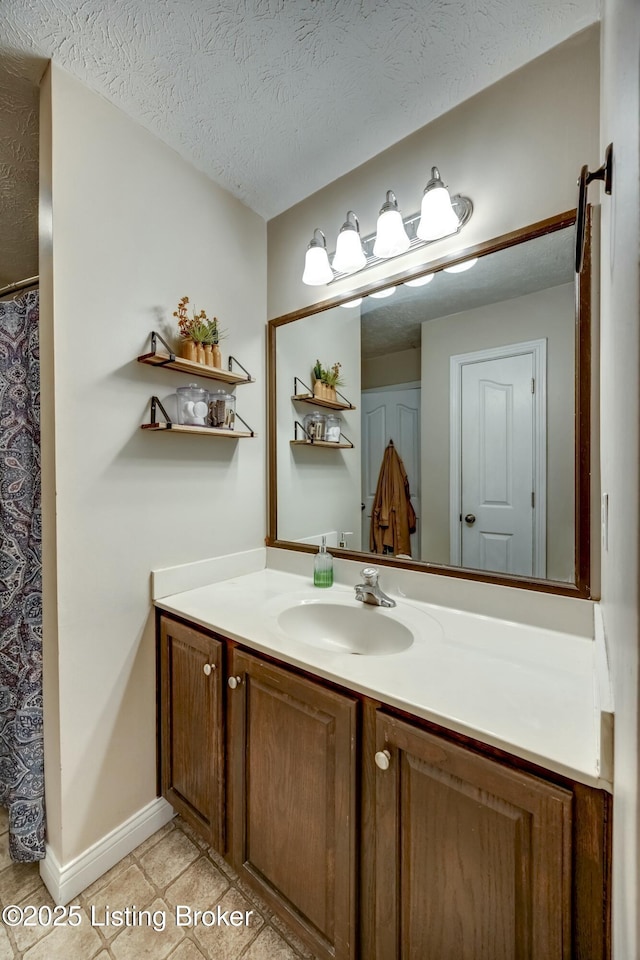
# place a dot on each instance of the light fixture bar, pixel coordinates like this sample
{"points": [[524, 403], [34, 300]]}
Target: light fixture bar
{"points": [[462, 207]]}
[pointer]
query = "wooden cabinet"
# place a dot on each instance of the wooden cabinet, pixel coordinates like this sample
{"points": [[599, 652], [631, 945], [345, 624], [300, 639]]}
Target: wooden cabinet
{"points": [[473, 859], [374, 835], [286, 818], [292, 799], [192, 769]]}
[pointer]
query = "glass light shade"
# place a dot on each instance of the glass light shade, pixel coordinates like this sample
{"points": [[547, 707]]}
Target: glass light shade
{"points": [[461, 267], [349, 255], [383, 293], [352, 303], [316, 267], [391, 236], [420, 281], [437, 217]]}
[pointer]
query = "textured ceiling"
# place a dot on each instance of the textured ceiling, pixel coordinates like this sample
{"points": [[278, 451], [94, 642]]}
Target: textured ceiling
{"points": [[273, 99], [395, 323]]}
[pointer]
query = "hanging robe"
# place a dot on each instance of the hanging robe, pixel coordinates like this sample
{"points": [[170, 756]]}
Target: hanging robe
{"points": [[393, 518]]}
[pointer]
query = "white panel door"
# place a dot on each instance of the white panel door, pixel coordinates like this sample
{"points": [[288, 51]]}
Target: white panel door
{"points": [[497, 465], [390, 415]]}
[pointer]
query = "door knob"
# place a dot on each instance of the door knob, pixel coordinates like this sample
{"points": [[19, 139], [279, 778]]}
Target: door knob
{"points": [[208, 667], [470, 519], [234, 682], [382, 759]]}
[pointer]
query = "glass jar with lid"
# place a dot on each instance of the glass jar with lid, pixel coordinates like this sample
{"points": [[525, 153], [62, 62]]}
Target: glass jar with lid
{"points": [[192, 405], [314, 426], [332, 428], [222, 410]]}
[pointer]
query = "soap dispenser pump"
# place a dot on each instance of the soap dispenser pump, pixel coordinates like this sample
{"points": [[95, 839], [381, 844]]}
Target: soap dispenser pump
{"points": [[323, 567]]}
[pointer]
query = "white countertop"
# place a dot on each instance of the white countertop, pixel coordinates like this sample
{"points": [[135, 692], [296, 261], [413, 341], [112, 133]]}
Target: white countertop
{"points": [[530, 691]]}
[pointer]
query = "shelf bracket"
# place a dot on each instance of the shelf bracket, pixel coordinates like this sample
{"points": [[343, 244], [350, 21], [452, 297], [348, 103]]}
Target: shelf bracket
{"points": [[296, 381], [297, 425], [230, 364], [155, 403], [238, 417], [154, 348]]}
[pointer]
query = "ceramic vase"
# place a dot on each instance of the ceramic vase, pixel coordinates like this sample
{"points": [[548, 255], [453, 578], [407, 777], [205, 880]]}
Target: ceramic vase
{"points": [[189, 350]]}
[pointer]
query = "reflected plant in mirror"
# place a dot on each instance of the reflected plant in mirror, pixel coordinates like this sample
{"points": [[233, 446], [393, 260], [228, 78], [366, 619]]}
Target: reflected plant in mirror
{"points": [[470, 414]]}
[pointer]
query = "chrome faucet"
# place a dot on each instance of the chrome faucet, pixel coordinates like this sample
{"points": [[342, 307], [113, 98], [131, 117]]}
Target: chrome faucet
{"points": [[370, 592]]}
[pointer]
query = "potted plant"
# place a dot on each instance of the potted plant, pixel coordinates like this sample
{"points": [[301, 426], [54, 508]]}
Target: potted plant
{"points": [[200, 336], [326, 379]]}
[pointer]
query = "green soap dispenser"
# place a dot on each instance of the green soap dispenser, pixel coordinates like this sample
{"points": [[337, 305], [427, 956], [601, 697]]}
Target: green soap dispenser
{"points": [[323, 567]]}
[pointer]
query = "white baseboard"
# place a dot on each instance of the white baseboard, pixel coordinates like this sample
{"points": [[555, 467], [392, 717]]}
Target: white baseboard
{"points": [[66, 881]]}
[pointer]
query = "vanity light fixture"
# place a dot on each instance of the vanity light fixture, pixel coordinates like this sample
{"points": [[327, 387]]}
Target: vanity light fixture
{"points": [[437, 216], [349, 255], [440, 216], [317, 269], [461, 267], [387, 292], [391, 237], [420, 281], [352, 303]]}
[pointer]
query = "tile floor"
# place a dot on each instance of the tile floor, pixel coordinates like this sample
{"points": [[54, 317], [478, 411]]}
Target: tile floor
{"points": [[172, 867]]}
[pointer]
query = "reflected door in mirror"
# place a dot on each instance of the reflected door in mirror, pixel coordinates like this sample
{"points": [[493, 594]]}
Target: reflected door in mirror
{"points": [[501, 443], [390, 414]]}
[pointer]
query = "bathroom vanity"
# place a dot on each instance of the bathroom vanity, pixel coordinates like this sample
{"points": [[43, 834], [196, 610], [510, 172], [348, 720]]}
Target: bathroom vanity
{"points": [[445, 799]]}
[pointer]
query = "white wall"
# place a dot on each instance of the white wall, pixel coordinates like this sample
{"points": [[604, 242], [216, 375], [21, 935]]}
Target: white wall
{"points": [[403, 366], [319, 490], [545, 314], [516, 149], [134, 229], [620, 416]]}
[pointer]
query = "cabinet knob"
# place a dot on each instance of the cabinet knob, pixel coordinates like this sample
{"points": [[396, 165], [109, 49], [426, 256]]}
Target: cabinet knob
{"points": [[208, 668], [234, 682], [382, 759]]}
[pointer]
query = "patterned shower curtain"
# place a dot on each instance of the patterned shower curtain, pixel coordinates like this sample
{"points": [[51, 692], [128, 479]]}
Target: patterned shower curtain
{"points": [[21, 734]]}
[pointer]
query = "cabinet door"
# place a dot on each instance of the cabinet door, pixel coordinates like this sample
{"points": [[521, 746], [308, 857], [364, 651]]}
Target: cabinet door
{"points": [[292, 780], [472, 858], [192, 760]]}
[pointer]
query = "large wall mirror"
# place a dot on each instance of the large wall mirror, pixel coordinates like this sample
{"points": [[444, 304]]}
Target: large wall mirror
{"points": [[458, 439]]}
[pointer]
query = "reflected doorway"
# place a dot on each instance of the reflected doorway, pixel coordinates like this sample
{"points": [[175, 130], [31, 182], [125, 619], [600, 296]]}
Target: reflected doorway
{"points": [[390, 413], [498, 459]]}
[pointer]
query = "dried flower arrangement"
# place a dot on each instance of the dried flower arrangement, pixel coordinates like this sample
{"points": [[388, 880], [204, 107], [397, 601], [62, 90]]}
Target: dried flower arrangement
{"points": [[330, 376], [198, 333], [326, 379]]}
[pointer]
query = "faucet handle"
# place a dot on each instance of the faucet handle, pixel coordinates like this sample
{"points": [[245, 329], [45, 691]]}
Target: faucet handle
{"points": [[370, 576]]}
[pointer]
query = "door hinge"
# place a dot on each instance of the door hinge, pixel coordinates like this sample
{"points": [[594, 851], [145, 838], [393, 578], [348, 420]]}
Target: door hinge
{"points": [[533, 385], [533, 499]]}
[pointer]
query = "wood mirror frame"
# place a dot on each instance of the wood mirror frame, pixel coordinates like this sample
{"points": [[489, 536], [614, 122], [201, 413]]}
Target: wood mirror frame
{"points": [[582, 557]]}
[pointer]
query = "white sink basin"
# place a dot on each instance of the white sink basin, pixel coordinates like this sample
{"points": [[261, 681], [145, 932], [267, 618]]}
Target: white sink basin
{"points": [[364, 630]]}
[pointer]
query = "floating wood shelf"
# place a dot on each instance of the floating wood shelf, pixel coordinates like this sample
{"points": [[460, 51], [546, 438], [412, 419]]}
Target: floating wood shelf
{"points": [[321, 443], [308, 397], [190, 366], [167, 424], [172, 362], [201, 431], [332, 404]]}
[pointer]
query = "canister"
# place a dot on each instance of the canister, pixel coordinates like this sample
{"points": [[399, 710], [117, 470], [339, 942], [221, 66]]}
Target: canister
{"points": [[192, 405], [222, 410], [314, 426], [332, 428]]}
